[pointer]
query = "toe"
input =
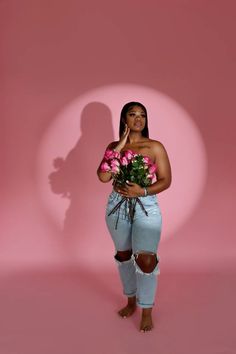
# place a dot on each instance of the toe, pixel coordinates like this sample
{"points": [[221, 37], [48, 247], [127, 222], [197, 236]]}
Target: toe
{"points": [[146, 329]]}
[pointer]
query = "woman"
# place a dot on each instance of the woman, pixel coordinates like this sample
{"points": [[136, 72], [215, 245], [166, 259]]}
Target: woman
{"points": [[136, 242]]}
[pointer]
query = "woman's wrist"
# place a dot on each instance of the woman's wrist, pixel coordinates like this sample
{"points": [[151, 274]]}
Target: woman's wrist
{"points": [[143, 192], [146, 192]]}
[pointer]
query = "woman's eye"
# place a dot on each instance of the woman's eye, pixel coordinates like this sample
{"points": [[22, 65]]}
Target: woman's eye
{"points": [[133, 114]]}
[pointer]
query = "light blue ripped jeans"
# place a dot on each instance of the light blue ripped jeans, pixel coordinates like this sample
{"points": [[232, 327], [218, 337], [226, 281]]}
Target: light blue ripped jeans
{"points": [[141, 236]]}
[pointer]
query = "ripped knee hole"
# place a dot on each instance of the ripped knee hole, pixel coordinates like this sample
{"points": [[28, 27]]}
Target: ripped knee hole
{"points": [[123, 256], [147, 262]]}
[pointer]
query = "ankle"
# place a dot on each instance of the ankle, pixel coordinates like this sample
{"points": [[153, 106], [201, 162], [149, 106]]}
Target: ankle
{"points": [[147, 311], [132, 301]]}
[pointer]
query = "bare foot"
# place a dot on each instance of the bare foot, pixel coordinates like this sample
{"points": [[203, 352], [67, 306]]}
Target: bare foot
{"points": [[129, 309], [146, 320]]}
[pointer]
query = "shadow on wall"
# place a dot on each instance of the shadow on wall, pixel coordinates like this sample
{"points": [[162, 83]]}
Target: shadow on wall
{"points": [[75, 178]]}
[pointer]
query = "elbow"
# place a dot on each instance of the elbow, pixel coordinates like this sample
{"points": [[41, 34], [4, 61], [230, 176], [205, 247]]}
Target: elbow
{"points": [[168, 182], [102, 178]]}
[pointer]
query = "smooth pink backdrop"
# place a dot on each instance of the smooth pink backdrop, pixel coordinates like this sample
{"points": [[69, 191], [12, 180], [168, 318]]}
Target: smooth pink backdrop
{"points": [[54, 51]]}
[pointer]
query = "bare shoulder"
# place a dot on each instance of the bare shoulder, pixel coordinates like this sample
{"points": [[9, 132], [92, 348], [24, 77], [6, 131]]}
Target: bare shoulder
{"points": [[112, 145], [156, 146], [158, 150]]}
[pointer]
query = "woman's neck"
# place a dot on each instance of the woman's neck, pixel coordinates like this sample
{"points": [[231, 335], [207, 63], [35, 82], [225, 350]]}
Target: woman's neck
{"points": [[134, 138]]}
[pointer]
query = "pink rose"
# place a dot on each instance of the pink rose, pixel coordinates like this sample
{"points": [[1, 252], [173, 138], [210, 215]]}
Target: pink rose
{"points": [[105, 167], [111, 154], [129, 154], [115, 162], [151, 176], [152, 169], [115, 169], [147, 160], [108, 154], [124, 161], [116, 154]]}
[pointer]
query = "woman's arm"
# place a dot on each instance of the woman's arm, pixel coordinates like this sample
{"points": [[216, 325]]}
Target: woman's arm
{"points": [[106, 176], [163, 173], [118, 146]]}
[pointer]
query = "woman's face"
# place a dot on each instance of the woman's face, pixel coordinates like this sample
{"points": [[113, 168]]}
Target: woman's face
{"points": [[136, 118]]}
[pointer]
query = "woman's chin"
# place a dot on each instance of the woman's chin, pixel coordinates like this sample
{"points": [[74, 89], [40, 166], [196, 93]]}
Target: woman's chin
{"points": [[137, 129]]}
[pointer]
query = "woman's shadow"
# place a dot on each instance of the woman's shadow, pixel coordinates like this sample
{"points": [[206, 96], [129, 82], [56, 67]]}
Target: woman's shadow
{"points": [[75, 177]]}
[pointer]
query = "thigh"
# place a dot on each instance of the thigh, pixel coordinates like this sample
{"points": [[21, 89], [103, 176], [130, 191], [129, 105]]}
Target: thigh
{"points": [[146, 229], [121, 235]]}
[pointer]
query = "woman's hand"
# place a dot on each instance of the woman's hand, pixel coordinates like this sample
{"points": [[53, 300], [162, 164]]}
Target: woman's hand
{"points": [[131, 190], [123, 139]]}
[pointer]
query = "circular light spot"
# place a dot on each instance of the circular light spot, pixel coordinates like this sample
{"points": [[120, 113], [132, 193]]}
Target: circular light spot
{"points": [[74, 143]]}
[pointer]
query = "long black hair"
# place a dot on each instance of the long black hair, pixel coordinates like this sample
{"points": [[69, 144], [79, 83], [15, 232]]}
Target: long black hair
{"points": [[124, 110]]}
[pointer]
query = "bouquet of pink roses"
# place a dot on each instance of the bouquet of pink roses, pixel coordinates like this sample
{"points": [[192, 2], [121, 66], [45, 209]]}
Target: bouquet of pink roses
{"points": [[129, 166]]}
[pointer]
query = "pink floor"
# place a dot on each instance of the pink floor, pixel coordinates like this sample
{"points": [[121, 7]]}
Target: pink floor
{"points": [[73, 311]]}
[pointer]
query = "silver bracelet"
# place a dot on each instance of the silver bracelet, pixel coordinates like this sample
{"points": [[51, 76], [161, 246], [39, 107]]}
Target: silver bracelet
{"points": [[145, 191]]}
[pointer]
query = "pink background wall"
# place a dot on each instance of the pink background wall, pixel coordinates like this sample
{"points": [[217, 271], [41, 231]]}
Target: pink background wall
{"points": [[55, 51]]}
